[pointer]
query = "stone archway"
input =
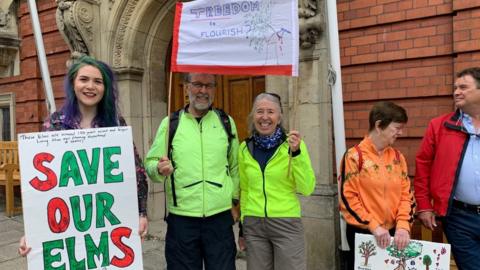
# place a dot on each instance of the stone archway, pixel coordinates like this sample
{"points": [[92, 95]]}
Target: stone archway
{"points": [[137, 47], [138, 52]]}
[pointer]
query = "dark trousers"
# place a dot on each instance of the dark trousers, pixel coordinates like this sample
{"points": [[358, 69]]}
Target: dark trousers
{"points": [[193, 242], [351, 230], [462, 228]]}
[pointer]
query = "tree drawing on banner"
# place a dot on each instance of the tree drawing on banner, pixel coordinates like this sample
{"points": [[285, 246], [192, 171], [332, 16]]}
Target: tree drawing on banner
{"points": [[427, 261], [367, 249], [259, 24], [413, 250]]}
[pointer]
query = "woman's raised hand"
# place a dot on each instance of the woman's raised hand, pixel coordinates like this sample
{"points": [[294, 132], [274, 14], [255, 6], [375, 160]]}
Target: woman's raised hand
{"points": [[294, 140]]}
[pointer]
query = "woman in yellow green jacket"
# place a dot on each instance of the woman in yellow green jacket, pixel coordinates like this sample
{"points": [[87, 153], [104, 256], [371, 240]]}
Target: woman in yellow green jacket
{"points": [[269, 184]]}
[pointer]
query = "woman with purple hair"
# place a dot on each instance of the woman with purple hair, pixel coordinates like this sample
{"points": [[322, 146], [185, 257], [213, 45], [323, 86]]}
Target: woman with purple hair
{"points": [[92, 102]]}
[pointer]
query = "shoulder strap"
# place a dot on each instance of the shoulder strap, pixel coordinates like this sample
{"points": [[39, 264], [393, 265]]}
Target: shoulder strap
{"points": [[397, 155], [227, 126], [360, 157], [342, 183], [172, 128]]}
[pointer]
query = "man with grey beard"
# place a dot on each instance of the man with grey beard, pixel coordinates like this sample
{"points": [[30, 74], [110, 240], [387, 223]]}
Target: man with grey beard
{"points": [[202, 192]]}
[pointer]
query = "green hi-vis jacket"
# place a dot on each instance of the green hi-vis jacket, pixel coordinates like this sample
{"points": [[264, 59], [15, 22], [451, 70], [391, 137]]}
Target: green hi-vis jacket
{"points": [[272, 193], [205, 177]]}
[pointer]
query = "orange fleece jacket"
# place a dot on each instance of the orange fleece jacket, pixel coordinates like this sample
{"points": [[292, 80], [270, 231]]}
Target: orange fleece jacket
{"points": [[379, 194]]}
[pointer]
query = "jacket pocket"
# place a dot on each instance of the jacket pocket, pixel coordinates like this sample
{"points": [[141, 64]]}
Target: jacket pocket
{"points": [[192, 184], [214, 184]]}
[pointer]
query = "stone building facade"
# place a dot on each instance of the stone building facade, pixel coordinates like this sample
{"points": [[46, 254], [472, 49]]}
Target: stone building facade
{"points": [[401, 50]]}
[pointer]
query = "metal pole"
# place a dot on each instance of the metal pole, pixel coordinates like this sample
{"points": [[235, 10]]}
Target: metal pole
{"points": [[47, 84], [337, 98]]}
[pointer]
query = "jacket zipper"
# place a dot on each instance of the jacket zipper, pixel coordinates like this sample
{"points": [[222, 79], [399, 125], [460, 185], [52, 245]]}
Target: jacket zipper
{"points": [[384, 191], [457, 174], [203, 172], [264, 193], [263, 176]]}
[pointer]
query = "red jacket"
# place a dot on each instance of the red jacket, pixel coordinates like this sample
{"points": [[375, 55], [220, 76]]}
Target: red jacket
{"points": [[438, 163]]}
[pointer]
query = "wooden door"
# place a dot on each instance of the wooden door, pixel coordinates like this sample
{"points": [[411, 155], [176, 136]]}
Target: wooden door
{"points": [[234, 95]]}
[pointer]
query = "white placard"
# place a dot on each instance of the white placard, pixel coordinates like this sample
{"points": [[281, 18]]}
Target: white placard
{"points": [[79, 197], [418, 255]]}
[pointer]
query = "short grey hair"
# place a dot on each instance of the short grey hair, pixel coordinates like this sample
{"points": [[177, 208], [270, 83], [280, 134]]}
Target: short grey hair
{"points": [[270, 97]]}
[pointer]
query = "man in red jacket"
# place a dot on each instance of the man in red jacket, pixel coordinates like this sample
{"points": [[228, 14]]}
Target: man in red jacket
{"points": [[447, 178]]}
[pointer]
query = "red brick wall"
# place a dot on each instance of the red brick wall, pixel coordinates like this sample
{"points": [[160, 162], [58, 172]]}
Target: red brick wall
{"points": [[28, 86], [407, 52]]}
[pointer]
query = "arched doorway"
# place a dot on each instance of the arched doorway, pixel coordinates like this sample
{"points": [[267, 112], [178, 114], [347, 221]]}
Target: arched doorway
{"points": [[139, 52]]}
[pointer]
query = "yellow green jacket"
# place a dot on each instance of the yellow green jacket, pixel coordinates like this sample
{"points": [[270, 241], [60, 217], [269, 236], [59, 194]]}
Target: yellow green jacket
{"points": [[206, 176], [272, 193]]}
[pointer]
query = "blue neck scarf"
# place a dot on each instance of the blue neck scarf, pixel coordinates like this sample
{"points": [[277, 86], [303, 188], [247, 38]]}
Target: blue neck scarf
{"points": [[269, 141]]}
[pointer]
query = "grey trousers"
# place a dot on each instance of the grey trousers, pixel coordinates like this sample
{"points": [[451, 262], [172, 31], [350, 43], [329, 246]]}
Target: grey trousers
{"points": [[274, 243]]}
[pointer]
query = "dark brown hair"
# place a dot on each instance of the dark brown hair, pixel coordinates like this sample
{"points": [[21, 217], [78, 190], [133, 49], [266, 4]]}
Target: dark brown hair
{"points": [[474, 72], [387, 112]]}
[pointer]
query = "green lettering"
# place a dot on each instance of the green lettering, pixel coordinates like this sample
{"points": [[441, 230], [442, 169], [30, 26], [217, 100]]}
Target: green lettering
{"points": [[82, 225], [94, 250], [49, 258], [90, 169], [74, 264], [70, 170], [108, 165], [104, 202]]}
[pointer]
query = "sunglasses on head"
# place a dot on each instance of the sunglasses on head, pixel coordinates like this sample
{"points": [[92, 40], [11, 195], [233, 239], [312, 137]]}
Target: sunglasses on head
{"points": [[274, 95]]}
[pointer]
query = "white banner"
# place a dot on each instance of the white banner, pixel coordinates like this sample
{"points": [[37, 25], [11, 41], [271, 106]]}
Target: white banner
{"points": [[79, 199], [257, 37], [417, 255]]}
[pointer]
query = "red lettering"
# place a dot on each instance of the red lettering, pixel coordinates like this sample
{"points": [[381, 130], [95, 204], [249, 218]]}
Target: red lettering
{"points": [[51, 181], [54, 205], [116, 235]]}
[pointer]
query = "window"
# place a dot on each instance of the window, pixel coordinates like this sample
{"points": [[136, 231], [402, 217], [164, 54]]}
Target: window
{"points": [[9, 39], [7, 117]]}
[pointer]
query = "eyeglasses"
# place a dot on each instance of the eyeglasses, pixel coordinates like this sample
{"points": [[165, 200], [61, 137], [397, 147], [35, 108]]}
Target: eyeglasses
{"points": [[199, 85]]}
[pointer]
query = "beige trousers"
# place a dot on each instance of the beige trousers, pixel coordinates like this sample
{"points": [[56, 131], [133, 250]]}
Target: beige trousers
{"points": [[274, 243]]}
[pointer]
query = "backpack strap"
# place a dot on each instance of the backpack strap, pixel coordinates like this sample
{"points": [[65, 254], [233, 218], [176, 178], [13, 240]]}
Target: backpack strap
{"points": [[360, 158], [172, 129], [227, 126], [397, 155], [342, 183]]}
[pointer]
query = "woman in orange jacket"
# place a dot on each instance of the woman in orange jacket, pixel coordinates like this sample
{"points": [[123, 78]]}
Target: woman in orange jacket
{"points": [[375, 195]]}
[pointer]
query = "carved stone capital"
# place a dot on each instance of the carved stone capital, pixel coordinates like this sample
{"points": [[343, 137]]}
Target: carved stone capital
{"points": [[311, 22], [8, 21], [76, 20], [129, 73]]}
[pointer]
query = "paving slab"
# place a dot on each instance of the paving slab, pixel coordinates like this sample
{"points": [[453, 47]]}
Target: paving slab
{"points": [[153, 248]]}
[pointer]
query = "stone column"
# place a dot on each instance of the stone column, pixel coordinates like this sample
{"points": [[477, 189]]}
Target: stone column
{"points": [[308, 108], [130, 96]]}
